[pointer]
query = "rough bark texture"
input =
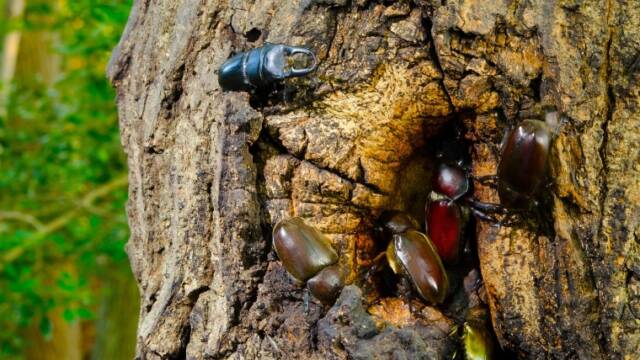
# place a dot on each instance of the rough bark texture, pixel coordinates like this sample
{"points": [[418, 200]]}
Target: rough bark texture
{"points": [[211, 172]]}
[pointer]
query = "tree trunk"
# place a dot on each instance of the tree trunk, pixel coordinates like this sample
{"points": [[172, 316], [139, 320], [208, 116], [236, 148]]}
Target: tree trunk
{"points": [[212, 171]]}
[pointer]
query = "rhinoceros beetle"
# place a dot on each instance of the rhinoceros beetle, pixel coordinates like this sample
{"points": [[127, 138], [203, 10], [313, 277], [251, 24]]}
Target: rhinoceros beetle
{"points": [[448, 209], [411, 255], [521, 171], [308, 256], [445, 216], [523, 163], [522, 168], [260, 67]]}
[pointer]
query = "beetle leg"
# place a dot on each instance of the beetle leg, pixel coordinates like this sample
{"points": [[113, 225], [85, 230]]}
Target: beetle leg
{"points": [[375, 265], [376, 260], [510, 220], [484, 206], [479, 214], [405, 291], [488, 180]]}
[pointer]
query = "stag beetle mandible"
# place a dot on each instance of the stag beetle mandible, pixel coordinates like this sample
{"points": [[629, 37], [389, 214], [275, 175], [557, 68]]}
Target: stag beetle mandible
{"points": [[262, 66]]}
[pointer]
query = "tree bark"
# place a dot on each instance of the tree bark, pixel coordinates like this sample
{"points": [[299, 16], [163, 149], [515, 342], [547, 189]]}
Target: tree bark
{"points": [[210, 172]]}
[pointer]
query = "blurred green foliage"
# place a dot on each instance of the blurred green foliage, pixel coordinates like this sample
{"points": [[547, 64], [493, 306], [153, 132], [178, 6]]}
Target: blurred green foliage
{"points": [[59, 144]]}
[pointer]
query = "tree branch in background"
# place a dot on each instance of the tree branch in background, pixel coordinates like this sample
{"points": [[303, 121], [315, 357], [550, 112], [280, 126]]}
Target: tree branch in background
{"points": [[22, 217], [62, 220]]}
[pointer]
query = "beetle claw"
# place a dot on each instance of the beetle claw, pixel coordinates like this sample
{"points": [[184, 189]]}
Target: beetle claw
{"points": [[293, 50]]}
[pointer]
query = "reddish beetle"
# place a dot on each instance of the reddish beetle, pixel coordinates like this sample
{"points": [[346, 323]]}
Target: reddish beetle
{"points": [[445, 223], [447, 210], [521, 171]]}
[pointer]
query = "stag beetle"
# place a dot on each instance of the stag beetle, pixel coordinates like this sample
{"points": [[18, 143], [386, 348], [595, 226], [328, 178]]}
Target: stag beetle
{"points": [[412, 255], [262, 66], [308, 256]]}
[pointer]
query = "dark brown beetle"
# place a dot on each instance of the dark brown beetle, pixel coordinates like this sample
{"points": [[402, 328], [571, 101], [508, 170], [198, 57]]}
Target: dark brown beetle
{"points": [[396, 222], [412, 255], [450, 181], [308, 256], [326, 285], [262, 66], [521, 171], [523, 163]]}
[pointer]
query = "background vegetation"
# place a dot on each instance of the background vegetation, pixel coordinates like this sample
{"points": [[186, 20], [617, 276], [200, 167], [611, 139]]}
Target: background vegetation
{"points": [[66, 291]]}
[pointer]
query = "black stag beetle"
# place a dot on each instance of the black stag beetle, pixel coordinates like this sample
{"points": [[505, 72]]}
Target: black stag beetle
{"points": [[263, 66]]}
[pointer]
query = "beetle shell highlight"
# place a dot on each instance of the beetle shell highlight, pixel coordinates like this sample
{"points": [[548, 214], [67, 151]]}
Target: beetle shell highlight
{"points": [[450, 181], [477, 341], [413, 255], [523, 163], [445, 225], [261, 66], [303, 250]]}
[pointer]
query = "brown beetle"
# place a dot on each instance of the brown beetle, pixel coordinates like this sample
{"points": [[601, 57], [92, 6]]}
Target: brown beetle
{"points": [[523, 163], [412, 255], [308, 256]]}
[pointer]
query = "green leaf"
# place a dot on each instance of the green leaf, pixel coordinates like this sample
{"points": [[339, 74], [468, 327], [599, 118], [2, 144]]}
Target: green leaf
{"points": [[68, 315], [46, 328]]}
